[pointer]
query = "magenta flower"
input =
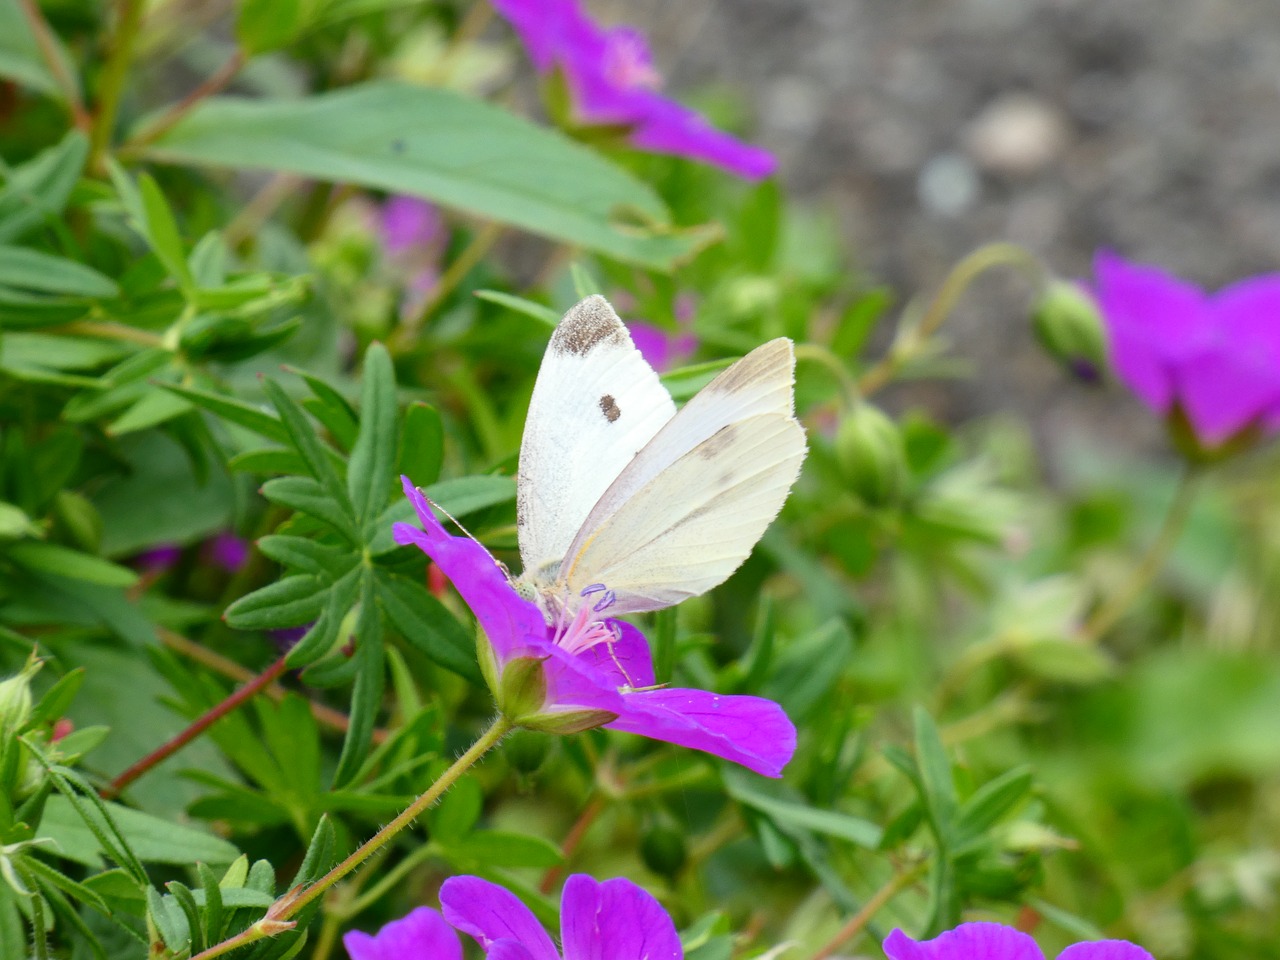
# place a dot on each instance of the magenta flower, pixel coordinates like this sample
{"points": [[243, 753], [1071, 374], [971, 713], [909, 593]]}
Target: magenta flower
{"points": [[613, 920], [158, 559], [612, 82], [587, 672], [225, 550], [995, 941], [421, 935], [1213, 359], [409, 223]]}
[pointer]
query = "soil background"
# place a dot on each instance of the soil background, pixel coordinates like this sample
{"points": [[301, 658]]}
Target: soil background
{"points": [[930, 127]]}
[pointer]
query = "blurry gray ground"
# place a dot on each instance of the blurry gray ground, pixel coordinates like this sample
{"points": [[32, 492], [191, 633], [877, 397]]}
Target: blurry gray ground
{"points": [[933, 126]]}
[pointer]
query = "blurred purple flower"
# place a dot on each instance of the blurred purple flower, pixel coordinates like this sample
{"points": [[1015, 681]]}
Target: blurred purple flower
{"points": [[612, 82], [420, 935], [226, 550], [586, 672], [1213, 358], [157, 559], [613, 920], [409, 223], [995, 941]]}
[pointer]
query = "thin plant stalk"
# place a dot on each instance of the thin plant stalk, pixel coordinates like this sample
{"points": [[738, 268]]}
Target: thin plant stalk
{"points": [[129, 16], [67, 83], [280, 914], [858, 922], [1109, 613], [212, 84], [941, 307]]}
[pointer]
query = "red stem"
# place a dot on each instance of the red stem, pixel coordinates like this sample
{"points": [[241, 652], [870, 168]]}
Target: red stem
{"points": [[199, 726], [571, 841]]}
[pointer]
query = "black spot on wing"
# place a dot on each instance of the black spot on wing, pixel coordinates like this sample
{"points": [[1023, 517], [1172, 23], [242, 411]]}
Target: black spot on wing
{"points": [[590, 323], [609, 407]]}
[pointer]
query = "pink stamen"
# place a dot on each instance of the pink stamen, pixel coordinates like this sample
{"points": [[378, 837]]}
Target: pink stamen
{"points": [[583, 633]]}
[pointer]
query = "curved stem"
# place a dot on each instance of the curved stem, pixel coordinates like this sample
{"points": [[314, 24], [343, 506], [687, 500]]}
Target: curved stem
{"points": [[1106, 616], [171, 117], [897, 883], [849, 392], [114, 74], [68, 84], [942, 305], [197, 727], [280, 914]]}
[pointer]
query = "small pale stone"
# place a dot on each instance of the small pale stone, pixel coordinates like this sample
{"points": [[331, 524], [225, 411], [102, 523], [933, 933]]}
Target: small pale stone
{"points": [[1017, 134]]}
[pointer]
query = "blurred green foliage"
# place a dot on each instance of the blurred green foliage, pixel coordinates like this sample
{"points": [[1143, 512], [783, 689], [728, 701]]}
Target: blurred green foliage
{"points": [[202, 332]]}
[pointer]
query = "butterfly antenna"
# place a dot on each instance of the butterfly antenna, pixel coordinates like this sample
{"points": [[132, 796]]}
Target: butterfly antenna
{"points": [[470, 536]]}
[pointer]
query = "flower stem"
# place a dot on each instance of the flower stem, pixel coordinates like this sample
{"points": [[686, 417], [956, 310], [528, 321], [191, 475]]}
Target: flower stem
{"points": [[199, 726], [896, 884], [114, 73], [171, 117], [487, 741], [1109, 613], [942, 305], [590, 813], [462, 264], [849, 392], [68, 84]]}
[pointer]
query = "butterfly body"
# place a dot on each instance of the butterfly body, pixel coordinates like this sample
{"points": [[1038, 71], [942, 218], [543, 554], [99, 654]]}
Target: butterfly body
{"points": [[625, 504]]}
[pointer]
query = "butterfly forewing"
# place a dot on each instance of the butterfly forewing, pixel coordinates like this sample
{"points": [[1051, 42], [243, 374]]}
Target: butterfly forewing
{"points": [[689, 508], [596, 402]]}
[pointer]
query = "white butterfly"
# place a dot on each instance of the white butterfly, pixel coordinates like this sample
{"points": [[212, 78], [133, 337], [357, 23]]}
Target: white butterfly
{"points": [[625, 504]]}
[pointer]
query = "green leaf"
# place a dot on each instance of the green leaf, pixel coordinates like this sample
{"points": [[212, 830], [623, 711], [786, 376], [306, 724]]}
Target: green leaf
{"points": [[268, 460], [460, 496], [935, 776], [366, 697], [306, 496], [65, 562], [20, 56], [169, 921], [374, 456], [494, 848], [161, 230], [212, 903], [152, 839], [323, 635], [441, 146], [991, 802], [427, 625], [309, 445], [307, 556], [25, 269], [264, 25], [154, 408], [528, 308], [236, 411], [36, 192], [421, 444], [285, 603], [844, 826]]}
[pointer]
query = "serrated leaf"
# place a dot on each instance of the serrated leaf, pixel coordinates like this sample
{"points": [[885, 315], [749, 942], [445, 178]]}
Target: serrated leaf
{"points": [[421, 444], [373, 458], [306, 496], [285, 603], [427, 625], [366, 696]]}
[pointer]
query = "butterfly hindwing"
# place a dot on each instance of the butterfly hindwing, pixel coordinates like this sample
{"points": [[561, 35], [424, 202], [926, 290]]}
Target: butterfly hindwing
{"points": [[596, 402], [686, 512]]}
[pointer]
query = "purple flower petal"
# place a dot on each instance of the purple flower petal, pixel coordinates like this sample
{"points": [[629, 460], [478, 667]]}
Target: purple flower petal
{"points": [[612, 81], [511, 623], [615, 920], [1105, 950], [228, 551], [491, 913], [969, 941], [1153, 321], [507, 950], [409, 223], [751, 731], [420, 935], [626, 662]]}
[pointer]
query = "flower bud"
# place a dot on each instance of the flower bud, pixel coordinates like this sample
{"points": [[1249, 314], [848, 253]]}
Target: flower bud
{"points": [[871, 455], [15, 699], [1070, 328]]}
